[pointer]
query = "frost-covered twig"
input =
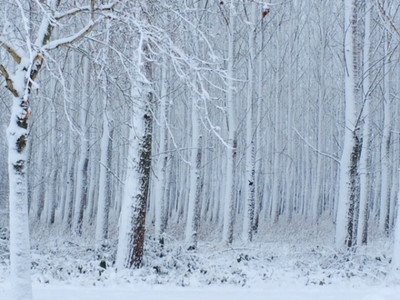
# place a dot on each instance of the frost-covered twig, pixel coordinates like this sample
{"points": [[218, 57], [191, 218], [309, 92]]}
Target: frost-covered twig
{"points": [[317, 150]]}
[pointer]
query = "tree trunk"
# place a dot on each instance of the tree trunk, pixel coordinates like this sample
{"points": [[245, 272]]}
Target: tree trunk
{"points": [[104, 199], [105, 187], [162, 158], [227, 233], [385, 144], [349, 175], [248, 220], [17, 134], [362, 230], [192, 224], [133, 211], [83, 165], [396, 240], [276, 193]]}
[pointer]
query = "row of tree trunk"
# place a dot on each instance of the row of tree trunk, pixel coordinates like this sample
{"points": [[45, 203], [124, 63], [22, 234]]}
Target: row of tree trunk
{"points": [[222, 117]]}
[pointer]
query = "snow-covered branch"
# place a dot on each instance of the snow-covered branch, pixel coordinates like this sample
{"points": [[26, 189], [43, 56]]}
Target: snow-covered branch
{"points": [[84, 9], [9, 81], [71, 39]]}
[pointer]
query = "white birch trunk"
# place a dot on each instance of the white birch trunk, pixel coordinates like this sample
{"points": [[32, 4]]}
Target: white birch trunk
{"points": [[38, 207], [385, 144], [17, 136], [276, 196], [192, 222], [259, 134], [133, 209], [19, 219], [93, 184], [159, 186], [396, 242], [227, 233], [132, 225], [247, 234], [346, 187], [316, 194], [53, 195], [131, 190], [290, 169], [82, 171], [70, 192], [104, 199], [362, 229], [71, 183], [395, 181]]}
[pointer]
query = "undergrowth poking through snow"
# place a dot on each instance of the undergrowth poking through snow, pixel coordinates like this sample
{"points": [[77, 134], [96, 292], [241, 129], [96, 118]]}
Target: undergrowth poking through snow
{"points": [[212, 265], [295, 261]]}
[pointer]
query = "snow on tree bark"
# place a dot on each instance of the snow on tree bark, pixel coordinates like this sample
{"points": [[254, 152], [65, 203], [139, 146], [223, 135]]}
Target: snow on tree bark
{"points": [[362, 230], [386, 143], [132, 225], [192, 223], [20, 85], [349, 175], [250, 147], [161, 164], [19, 221], [104, 199], [227, 233], [133, 210], [28, 56], [83, 164]]}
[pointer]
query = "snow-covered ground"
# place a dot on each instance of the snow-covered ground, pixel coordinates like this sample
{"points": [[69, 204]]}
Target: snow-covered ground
{"points": [[283, 292], [293, 267]]}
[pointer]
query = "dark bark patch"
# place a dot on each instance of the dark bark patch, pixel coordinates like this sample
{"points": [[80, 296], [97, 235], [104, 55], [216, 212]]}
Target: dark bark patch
{"points": [[19, 166], [21, 143]]}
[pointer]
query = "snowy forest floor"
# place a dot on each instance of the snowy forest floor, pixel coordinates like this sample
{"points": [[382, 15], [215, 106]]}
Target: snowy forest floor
{"points": [[70, 292], [296, 262]]}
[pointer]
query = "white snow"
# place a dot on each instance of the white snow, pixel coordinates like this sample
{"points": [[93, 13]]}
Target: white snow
{"points": [[272, 271], [156, 292]]}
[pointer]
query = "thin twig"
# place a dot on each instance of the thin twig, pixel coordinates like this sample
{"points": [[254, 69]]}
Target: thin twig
{"points": [[316, 150]]}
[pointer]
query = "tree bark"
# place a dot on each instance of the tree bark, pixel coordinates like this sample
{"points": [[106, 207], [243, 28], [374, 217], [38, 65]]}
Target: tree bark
{"points": [[349, 175], [250, 183], [133, 212], [362, 230], [227, 233]]}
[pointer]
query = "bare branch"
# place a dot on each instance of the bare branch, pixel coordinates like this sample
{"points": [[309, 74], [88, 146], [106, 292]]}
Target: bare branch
{"points": [[88, 8], [317, 150], [387, 19], [37, 65], [10, 84], [11, 51]]}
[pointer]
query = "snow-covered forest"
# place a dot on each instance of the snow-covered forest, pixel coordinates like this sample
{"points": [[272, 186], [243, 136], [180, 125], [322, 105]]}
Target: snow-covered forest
{"points": [[206, 142]]}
